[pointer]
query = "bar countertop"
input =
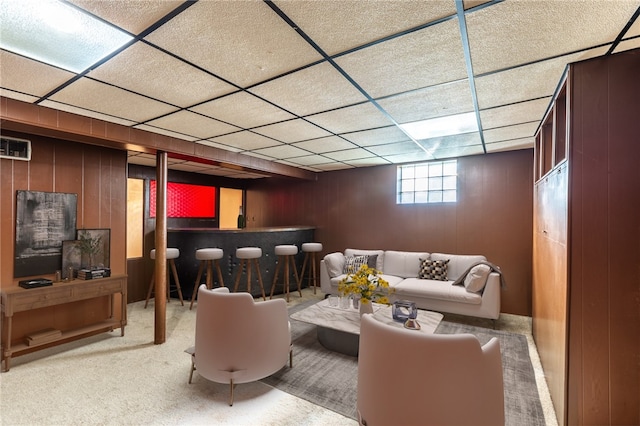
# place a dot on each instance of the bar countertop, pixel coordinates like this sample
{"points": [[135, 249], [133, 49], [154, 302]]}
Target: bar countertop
{"points": [[234, 230]]}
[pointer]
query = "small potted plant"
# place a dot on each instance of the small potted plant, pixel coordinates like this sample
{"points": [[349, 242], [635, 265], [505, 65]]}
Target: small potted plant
{"points": [[366, 285]]}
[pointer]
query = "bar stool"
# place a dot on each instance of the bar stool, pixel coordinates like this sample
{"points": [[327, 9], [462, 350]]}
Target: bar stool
{"points": [[310, 253], [249, 256], [286, 254], [172, 253], [208, 257]]}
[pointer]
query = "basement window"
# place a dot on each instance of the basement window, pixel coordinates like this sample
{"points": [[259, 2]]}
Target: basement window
{"points": [[433, 182]]}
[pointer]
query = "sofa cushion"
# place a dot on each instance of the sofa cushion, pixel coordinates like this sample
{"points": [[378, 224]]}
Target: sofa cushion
{"points": [[433, 269], [458, 263], [391, 279], [477, 278], [352, 264], [431, 289], [403, 264], [357, 252], [334, 263]]}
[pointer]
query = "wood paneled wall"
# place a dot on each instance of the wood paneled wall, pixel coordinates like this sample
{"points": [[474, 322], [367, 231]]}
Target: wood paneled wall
{"points": [[99, 177], [604, 232], [357, 208]]}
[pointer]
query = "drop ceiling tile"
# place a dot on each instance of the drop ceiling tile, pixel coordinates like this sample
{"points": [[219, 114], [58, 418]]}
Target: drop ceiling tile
{"points": [[431, 102], [634, 30], [311, 90], [243, 110], [242, 41], [146, 70], [30, 77], [103, 98], [131, 15], [527, 82], [434, 145], [321, 145], [246, 141], [343, 120], [395, 148], [219, 146], [522, 112], [524, 143], [81, 111], [340, 25], [454, 152], [379, 136], [332, 166], [17, 95], [165, 132], [468, 4], [511, 132], [193, 124], [282, 151], [349, 154], [292, 131], [408, 157], [424, 58], [627, 45], [141, 161], [366, 162], [189, 167], [309, 160], [513, 33]]}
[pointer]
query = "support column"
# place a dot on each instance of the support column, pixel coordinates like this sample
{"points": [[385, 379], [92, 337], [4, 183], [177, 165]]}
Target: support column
{"points": [[161, 249]]}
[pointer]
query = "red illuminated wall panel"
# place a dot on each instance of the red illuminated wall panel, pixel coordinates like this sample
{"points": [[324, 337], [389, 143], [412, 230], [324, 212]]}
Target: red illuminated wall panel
{"points": [[185, 200]]}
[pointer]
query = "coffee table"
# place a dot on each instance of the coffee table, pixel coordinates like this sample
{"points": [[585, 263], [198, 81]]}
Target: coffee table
{"points": [[339, 328]]}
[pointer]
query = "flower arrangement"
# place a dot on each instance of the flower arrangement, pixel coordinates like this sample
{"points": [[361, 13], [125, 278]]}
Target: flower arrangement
{"points": [[367, 284]]}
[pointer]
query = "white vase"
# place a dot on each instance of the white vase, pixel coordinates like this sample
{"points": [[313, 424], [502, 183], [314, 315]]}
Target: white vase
{"points": [[366, 308]]}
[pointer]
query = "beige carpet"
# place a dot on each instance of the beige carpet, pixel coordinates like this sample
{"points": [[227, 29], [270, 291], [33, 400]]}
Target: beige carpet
{"points": [[113, 380]]}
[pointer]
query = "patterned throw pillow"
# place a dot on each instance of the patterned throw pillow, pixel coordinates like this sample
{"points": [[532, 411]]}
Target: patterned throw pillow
{"points": [[433, 269], [352, 264]]}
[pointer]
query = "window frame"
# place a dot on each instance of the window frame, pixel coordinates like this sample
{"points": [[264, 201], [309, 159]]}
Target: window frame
{"points": [[433, 182]]}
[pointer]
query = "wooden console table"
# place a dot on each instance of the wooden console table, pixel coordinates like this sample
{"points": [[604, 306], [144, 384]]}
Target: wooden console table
{"points": [[18, 299]]}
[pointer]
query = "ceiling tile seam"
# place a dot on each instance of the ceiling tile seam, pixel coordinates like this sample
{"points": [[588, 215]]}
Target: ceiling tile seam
{"points": [[514, 103], [418, 89], [538, 61], [462, 22], [95, 112], [506, 126], [313, 44], [623, 32], [413, 29]]}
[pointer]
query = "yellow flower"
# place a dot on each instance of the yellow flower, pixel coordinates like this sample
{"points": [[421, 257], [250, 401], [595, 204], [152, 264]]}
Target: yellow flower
{"points": [[367, 284]]}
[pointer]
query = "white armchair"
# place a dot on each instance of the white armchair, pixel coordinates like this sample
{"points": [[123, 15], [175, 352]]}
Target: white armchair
{"points": [[410, 378], [237, 340]]}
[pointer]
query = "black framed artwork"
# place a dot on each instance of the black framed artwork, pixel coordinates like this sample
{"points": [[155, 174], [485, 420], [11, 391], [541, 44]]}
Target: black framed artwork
{"points": [[43, 221]]}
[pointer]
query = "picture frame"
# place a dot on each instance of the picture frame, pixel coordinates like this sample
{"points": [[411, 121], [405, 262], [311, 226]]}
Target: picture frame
{"points": [[43, 221], [102, 241]]}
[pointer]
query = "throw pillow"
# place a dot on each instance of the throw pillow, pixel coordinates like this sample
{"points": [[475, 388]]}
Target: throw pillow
{"points": [[433, 269], [353, 263], [334, 263], [477, 278]]}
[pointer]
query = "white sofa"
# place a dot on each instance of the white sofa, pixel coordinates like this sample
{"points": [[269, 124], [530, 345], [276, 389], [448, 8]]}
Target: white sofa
{"points": [[477, 293]]}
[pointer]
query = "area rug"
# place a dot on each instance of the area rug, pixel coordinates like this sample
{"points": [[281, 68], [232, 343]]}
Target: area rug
{"points": [[329, 379]]}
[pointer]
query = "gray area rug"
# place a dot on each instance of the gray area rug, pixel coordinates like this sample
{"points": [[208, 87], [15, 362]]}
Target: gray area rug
{"points": [[329, 379]]}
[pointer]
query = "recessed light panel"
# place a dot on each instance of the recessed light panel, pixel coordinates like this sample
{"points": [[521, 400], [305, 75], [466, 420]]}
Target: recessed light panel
{"points": [[442, 126], [57, 34]]}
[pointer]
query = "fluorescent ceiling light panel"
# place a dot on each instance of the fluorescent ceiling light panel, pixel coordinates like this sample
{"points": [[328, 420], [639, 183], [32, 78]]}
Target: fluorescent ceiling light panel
{"points": [[57, 34], [442, 126]]}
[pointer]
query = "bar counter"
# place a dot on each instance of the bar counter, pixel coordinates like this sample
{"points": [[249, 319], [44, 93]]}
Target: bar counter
{"points": [[188, 240]]}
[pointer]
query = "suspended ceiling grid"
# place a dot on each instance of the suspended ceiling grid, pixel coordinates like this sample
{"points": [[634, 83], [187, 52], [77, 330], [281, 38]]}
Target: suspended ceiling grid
{"points": [[323, 85]]}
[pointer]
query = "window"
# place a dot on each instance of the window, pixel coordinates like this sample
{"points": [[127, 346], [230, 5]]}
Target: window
{"points": [[434, 182]]}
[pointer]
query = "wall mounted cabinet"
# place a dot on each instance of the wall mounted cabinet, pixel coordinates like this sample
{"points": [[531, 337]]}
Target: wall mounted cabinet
{"points": [[586, 257]]}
